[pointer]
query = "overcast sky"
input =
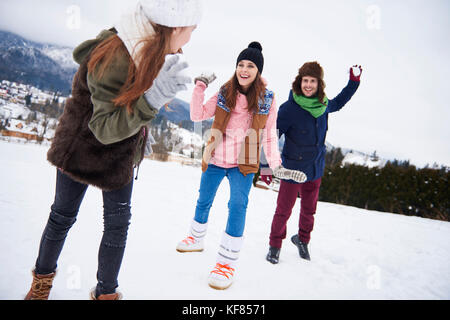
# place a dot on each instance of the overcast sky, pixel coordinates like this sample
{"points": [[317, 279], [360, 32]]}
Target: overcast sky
{"points": [[400, 109]]}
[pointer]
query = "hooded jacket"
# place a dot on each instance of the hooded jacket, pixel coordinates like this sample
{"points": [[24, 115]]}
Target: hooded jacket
{"points": [[96, 142]]}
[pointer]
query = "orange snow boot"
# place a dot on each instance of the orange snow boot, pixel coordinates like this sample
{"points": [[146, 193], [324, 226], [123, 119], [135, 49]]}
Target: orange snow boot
{"points": [[221, 277], [111, 296], [41, 286]]}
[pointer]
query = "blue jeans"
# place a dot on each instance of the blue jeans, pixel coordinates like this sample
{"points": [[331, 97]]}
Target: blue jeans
{"points": [[116, 215], [237, 205]]}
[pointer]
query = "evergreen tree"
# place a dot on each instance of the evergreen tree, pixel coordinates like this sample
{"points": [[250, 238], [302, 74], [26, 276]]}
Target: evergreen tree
{"points": [[334, 157]]}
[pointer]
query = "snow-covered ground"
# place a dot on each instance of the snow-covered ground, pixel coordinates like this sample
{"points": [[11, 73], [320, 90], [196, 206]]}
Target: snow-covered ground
{"points": [[356, 254]]}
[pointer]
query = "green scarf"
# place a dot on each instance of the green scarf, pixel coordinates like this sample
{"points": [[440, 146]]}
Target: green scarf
{"points": [[312, 105]]}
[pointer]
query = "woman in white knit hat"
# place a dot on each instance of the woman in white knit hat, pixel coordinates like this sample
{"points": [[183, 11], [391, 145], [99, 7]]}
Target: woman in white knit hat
{"points": [[125, 76]]}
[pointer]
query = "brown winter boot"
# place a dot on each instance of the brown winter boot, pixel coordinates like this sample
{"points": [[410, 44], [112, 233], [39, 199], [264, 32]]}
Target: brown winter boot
{"points": [[40, 288], [111, 296]]}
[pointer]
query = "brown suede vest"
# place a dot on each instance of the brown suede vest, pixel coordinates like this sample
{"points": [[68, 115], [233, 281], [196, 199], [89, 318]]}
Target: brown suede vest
{"points": [[248, 160], [80, 155]]}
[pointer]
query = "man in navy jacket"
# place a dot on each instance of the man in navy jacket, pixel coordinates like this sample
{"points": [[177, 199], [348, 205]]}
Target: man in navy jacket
{"points": [[303, 120]]}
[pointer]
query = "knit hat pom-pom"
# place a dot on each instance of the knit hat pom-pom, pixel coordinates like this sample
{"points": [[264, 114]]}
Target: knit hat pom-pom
{"points": [[253, 53], [255, 45]]}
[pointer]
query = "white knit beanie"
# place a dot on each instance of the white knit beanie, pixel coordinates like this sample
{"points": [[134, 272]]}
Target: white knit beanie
{"points": [[173, 13]]}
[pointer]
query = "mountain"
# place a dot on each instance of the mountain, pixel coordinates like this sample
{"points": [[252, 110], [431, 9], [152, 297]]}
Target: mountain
{"points": [[46, 66], [51, 67], [178, 112]]}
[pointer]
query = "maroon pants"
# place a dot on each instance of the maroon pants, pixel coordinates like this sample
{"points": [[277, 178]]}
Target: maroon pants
{"points": [[287, 196]]}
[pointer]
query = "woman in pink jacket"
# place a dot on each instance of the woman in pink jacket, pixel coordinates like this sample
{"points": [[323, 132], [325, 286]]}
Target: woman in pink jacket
{"points": [[245, 114]]}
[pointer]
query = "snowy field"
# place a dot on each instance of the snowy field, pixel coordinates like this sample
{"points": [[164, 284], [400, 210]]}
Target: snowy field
{"points": [[356, 254]]}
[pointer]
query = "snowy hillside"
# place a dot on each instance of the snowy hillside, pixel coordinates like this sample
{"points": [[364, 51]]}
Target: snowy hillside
{"points": [[185, 142], [13, 110], [362, 159], [16, 115], [47, 66], [62, 55], [356, 254]]}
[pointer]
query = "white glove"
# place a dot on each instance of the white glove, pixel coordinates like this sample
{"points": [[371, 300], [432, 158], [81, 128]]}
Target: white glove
{"points": [[206, 77], [288, 174], [168, 82]]}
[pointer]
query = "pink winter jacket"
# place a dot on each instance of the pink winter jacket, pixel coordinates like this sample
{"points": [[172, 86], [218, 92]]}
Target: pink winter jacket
{"points": [[227, 152]]}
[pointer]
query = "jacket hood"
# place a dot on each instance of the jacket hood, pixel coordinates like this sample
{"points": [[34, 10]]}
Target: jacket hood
{"points": [[82, 51]]}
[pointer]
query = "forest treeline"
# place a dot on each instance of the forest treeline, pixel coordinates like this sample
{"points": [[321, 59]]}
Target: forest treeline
{"points": [[398, 187]]}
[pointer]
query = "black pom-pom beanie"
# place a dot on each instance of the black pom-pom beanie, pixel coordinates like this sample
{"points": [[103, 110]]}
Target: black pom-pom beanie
{"points": [[254, 54]]}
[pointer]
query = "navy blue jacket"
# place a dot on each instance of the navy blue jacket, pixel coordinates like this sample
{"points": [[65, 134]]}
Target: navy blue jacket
{"points": [[304, 146]]}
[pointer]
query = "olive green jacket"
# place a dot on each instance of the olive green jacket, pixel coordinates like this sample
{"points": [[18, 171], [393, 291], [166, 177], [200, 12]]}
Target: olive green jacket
{"points": [[95, 142], [110, 123]]}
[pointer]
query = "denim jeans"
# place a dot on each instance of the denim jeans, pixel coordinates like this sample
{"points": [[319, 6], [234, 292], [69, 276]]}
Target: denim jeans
{"points": [[68, 197], [237, 205]]}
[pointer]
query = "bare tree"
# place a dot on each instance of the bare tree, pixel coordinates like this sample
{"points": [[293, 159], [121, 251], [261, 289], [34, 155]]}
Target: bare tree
{"points": [[44, 124]]}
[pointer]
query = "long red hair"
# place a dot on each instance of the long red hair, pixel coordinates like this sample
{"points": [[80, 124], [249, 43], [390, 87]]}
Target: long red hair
{"points": [[254, 94], [151, 57]]}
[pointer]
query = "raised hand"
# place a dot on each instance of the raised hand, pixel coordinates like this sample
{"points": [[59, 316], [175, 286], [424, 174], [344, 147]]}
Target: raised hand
{"points": [[206, 77], [355, 73], [168, 83]]}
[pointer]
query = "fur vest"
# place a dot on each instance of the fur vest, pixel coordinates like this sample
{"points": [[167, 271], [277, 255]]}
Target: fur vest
{"points": [[248, 161], [77, 152]]}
